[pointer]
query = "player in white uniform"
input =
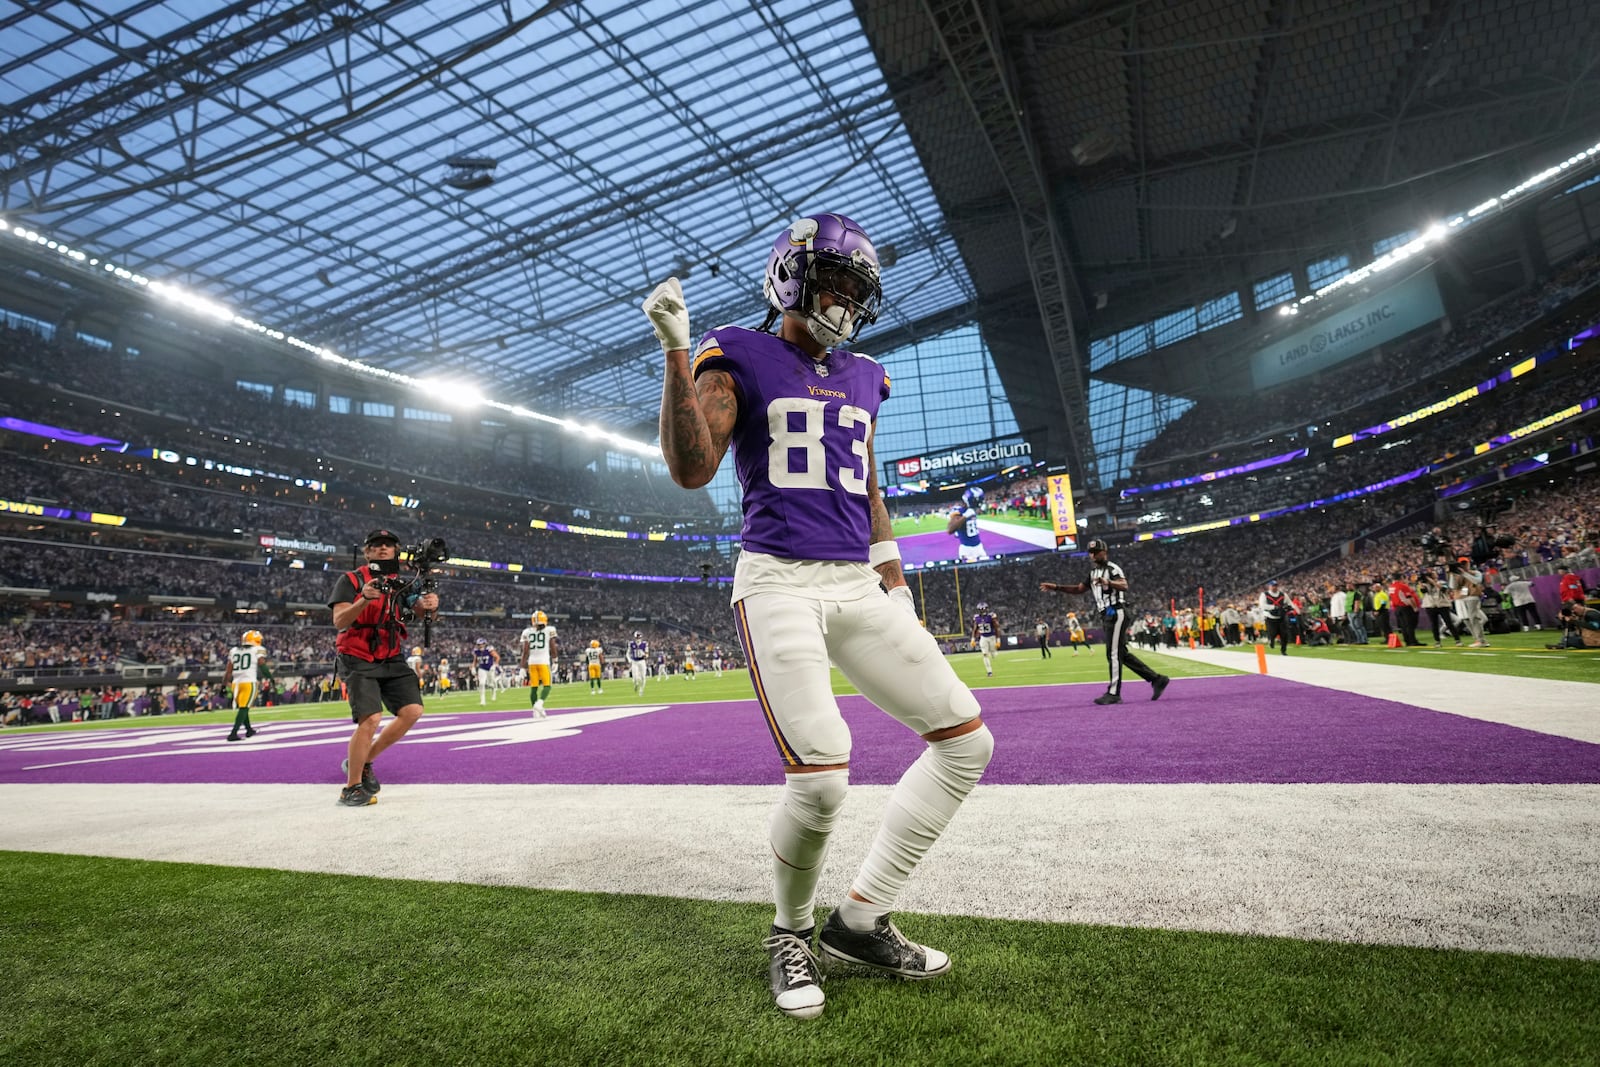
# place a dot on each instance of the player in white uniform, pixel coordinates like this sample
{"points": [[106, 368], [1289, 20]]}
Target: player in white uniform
{"points": [[414, 661], [716, 660], [244, 662], [799, 413], [639, 662], [688, 662], [538, 652], [594, 658]]}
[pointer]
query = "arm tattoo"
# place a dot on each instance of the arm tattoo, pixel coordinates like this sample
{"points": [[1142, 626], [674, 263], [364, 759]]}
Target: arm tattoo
{"points": [[882, 528], [696, 421]]}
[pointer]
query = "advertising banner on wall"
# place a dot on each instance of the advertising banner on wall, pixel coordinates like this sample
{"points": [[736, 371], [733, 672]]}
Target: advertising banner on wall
{"points": [[1350, 331], [1058, 490]]}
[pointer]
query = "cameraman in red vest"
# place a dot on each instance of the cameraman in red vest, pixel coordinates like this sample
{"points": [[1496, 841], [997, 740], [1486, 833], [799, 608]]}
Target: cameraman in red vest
{"points": [[372, 660]]}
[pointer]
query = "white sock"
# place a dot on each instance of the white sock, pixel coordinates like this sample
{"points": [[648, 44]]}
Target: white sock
{"points": [[799, 828], [860, 916], [920, 807]]}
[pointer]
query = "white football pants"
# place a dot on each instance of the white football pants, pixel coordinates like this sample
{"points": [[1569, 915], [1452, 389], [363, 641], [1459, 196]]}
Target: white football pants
{"points": [[789, 642]]}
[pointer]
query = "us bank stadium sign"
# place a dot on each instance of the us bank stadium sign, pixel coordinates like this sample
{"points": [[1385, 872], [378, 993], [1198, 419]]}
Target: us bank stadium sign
{"points": [[981, 454]]}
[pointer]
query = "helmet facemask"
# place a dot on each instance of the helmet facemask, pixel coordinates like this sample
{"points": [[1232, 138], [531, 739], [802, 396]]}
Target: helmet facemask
{"points": [[853, 296]]}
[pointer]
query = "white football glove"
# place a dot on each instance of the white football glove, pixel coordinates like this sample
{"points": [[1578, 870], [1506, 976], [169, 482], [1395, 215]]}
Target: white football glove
{"points": [[668, 314], [901, 594]]}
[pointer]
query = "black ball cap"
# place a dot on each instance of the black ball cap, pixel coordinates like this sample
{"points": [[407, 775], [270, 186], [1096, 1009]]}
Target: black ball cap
{"points": [[378, 537], [1096, 545]]}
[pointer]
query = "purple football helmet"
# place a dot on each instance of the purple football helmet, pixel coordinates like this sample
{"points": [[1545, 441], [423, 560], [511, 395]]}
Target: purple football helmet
{"points": [[825, 253]]}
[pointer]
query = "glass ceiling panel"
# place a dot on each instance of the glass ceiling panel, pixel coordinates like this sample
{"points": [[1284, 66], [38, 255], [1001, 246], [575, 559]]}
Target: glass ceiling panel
{"points": [[631, 140]]}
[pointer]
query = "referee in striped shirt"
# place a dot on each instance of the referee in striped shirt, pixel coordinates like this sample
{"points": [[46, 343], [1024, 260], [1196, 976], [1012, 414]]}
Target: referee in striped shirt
{"points": [[1110, 588]]}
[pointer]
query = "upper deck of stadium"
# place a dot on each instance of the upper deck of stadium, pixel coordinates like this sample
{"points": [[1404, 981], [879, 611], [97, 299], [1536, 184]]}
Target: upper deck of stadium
{"points": [[1101, 208]]}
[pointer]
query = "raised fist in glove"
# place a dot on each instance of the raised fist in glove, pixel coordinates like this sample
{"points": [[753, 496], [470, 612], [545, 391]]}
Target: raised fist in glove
{"points": [[901, 594], [669, 315]]}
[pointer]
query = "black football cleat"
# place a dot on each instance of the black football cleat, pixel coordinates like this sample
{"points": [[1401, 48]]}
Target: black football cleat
{"points": [[1108, 698], [883, 948], [1159, 686], [796, 979]]}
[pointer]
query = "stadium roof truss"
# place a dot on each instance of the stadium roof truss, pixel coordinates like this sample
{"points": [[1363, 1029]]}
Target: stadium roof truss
{"points": [[489, 188], [303, 162]]}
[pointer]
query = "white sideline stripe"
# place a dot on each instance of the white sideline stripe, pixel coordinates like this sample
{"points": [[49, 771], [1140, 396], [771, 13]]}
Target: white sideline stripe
{"points": [[1563, 708], [1506, 868]]}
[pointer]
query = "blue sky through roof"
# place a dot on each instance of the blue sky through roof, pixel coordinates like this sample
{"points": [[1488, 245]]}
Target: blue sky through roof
{"points": [[632, 141]]}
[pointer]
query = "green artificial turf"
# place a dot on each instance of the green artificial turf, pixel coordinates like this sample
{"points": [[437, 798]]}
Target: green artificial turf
{"points": [[129, 962]]}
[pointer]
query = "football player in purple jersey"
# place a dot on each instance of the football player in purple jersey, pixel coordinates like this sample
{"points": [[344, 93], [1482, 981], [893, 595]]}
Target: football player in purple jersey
{"points": [[986, 635], [963, 525], [639, 661], [799, 409]]}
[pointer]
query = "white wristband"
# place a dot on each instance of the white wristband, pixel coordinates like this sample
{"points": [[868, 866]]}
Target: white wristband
{"points": [[881, 552]]}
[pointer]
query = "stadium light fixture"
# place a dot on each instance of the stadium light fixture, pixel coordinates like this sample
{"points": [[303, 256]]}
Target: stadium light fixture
{"points": [[454, 393], [222, 313], [1437, 231]]}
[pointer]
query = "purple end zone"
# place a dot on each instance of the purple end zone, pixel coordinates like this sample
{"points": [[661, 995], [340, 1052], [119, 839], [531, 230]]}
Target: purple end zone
{"points": [[1242, 728]]}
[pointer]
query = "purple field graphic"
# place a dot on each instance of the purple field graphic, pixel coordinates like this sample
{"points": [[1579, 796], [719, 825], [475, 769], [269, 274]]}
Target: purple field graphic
{"points": [[1231, 729], [921, 549]]}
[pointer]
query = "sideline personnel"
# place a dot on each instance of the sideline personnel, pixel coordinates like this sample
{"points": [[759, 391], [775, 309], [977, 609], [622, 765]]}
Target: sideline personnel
{"points": [[372, 662]]}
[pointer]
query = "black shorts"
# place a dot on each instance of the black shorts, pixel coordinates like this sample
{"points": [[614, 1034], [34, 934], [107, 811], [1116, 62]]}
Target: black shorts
{"points": [[388, 683]]}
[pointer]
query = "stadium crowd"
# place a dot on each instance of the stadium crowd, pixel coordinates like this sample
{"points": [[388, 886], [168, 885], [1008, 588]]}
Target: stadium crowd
{"points": [[1222, 431], [196, 532], [69, 381]]}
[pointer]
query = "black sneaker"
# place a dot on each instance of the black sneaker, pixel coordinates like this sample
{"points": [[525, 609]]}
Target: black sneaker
{"points": [[235, 737], [883, 948], [1108, 698], [796, 979], [250, 731], [1159, 686], [354, 796], [369, 780]]}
